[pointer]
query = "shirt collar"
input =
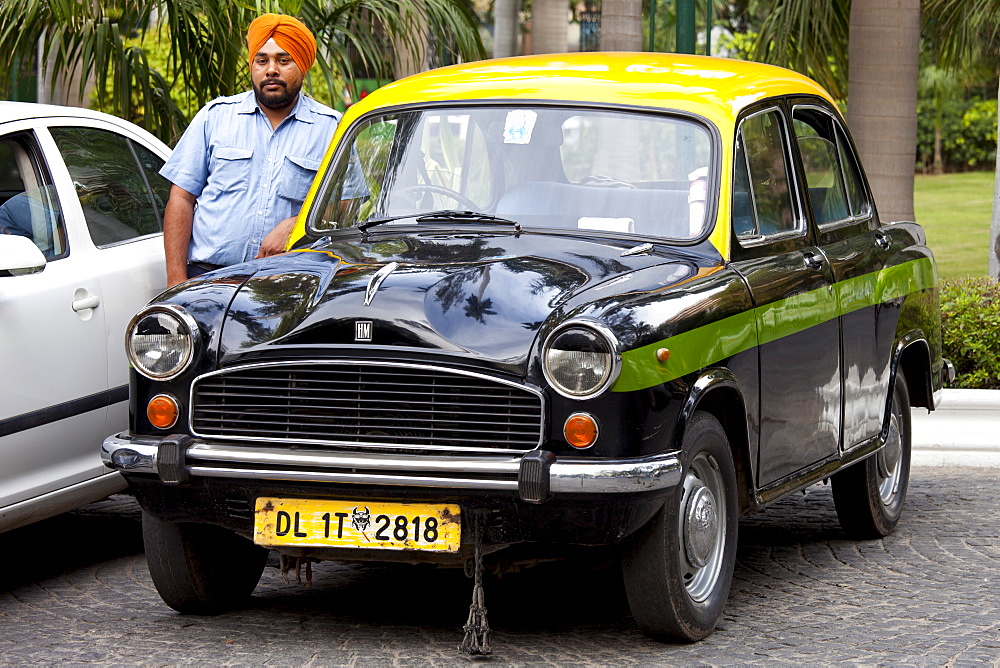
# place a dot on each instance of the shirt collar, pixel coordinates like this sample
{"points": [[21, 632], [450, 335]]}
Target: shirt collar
{"points": [[302, 111]]}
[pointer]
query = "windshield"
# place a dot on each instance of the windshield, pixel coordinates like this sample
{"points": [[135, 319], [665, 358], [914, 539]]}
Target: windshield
{"points": [[569, 168]]}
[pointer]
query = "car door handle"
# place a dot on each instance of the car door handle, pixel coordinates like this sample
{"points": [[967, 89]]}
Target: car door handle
{"points": [[813, 261], [882, 240], [91, 301]]}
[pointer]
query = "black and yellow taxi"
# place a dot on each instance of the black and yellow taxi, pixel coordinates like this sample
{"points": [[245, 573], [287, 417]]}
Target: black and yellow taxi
{"points": [[608, 300]]}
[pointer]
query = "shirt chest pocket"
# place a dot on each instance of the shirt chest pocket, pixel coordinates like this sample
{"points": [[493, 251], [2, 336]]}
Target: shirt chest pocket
{"points": [[231, 168], [296, 176]]}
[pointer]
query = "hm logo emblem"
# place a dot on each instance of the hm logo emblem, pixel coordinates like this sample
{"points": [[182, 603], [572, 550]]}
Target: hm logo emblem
{"points": [[362, 330]]}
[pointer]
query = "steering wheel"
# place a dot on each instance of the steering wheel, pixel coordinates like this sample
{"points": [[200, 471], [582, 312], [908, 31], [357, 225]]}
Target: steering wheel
{"points": [[440, 190]]}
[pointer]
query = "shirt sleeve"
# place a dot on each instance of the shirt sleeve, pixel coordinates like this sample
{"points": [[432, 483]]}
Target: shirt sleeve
{"points": [[187, 166], [355, 186]]}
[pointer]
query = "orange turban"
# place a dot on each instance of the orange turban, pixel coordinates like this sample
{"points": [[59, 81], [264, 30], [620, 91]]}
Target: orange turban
{"points": [[288, 32]]}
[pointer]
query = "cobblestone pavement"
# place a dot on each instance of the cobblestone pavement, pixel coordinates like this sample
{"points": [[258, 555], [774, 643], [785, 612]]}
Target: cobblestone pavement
{"points": [[75, 590]]}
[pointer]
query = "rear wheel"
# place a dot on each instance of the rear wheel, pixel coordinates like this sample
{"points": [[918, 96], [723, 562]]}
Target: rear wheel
{"points": [[678, 569], [201, 569], [869, 495]]}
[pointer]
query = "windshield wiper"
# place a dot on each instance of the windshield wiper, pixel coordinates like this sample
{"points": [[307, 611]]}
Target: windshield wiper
{"points": [[442, 215], [456, 215]]}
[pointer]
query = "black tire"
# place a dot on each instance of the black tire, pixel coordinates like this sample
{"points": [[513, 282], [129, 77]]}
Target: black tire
{"points": [[670, 595], [201, 569], [869, 495]]}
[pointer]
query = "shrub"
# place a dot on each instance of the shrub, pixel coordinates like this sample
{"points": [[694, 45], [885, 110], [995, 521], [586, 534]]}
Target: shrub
{"points": [[970, 322], [969, 135]]}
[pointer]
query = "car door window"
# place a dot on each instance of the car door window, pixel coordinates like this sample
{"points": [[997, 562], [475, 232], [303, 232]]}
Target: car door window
{"points": [[762, 199], [113, 181], [28, 203], [857, 195], [823, 165]]}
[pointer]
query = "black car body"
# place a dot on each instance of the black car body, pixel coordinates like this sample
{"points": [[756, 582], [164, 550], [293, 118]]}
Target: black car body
{"points": [[483, 350]]}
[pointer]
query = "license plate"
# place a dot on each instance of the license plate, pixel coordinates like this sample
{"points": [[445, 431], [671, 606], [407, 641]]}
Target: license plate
{"points": [[385, 526]]}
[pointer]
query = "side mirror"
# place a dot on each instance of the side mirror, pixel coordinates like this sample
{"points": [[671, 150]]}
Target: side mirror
{"points": [[19, 256]]}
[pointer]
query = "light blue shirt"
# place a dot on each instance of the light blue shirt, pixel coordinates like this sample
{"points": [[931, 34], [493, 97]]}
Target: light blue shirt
{"points": [[247, 178]]}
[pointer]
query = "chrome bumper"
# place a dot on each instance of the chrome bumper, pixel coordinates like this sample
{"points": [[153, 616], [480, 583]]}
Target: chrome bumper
{"points": [[535, 476]]}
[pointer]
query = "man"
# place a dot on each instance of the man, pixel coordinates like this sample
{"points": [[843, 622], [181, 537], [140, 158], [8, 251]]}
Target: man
{"points": [[247, 160]]}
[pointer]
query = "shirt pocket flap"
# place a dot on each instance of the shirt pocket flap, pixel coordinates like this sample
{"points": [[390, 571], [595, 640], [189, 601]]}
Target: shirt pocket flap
{"points": [[305, 163]]}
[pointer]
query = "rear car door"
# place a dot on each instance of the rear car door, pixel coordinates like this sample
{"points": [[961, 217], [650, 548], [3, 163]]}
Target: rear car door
{"points": [[791, 284], [848, 233]]}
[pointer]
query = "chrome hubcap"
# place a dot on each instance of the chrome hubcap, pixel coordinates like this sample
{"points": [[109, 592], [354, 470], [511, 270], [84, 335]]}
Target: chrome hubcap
{"points": [[702, 527], [701, 523]]}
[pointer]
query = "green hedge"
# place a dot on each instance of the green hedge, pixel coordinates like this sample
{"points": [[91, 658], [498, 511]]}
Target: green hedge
{"points": [[968, 133], [970, 322]]}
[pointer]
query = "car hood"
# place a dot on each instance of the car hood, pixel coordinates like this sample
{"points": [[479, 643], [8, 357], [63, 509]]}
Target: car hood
{"points": [[477, 294]]}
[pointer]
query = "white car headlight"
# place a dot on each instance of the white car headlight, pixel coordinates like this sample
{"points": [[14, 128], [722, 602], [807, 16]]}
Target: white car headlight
{"points": [[161, 341], [581, 359]]}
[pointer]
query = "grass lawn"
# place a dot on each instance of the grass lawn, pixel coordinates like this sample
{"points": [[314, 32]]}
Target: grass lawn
{"points": [[955, 211]]}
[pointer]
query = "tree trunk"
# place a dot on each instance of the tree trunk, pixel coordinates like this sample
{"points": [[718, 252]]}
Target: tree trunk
{"points": [[994, 253], [884, 49], [938, 158], [549, 26], [621, 25], [505, 25]]}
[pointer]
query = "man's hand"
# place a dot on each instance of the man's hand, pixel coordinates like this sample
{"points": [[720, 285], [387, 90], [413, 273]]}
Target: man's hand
{"points": [[276, 239]]}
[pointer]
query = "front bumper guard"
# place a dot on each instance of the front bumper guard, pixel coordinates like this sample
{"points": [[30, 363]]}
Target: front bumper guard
{"points": [[536, 476]]}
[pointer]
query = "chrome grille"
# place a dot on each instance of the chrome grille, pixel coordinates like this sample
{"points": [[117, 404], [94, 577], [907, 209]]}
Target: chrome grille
{"points": [[398, 405]]}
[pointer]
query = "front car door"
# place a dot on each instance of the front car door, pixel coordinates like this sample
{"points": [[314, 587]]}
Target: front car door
{"points": [[66, 378], [791, 284]]}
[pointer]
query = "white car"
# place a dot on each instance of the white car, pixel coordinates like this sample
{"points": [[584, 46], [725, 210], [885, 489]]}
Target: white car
{"points": [[81, 250]]}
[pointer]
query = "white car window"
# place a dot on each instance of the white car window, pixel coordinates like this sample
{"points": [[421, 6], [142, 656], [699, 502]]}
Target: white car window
{"points": [[28, 203], [113, 181]]}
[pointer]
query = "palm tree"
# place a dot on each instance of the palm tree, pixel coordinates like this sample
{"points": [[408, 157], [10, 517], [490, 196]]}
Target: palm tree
{"points": [[207, 45], [966, 31], [881, 62], [621, 25]]}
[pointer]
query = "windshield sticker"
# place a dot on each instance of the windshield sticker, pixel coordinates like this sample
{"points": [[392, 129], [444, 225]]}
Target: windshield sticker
{"points": [[518, 126], [606, 224]]}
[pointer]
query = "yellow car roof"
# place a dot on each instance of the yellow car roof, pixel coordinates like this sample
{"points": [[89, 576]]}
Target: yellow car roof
{"points": [[716, 88]]}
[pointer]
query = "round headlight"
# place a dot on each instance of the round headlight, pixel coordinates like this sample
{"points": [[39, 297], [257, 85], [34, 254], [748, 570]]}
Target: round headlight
{"points": [[160, 341], [581, 360]]}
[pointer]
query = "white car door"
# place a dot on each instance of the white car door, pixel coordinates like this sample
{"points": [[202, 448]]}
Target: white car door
{"points": [[96, 214]]}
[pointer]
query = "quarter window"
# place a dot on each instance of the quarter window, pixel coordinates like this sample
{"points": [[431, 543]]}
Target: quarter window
{"points": [[121, 193]]}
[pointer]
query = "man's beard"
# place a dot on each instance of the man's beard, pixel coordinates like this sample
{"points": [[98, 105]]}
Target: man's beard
{"points": [[278, 100]]}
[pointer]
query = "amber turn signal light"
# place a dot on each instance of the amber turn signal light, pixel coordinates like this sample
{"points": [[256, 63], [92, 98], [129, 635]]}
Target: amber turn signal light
{"points": [[162, 411], [580, 430]]}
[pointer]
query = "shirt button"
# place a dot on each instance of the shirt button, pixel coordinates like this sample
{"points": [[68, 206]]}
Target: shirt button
{"points": [[260, 213]]}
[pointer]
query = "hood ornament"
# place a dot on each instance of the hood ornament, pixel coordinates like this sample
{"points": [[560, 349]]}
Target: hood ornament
{"points": [[376, 281]]}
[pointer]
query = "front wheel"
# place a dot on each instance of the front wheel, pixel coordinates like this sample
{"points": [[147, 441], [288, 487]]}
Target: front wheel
{"points": [[201, 569], [869, 495], [678, 569]]}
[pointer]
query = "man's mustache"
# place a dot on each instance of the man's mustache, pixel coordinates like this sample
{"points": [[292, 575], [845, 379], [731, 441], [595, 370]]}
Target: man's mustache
{"points": [[268, 82]]}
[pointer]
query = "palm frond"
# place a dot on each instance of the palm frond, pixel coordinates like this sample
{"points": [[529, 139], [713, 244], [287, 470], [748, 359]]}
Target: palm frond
{"points": [[808, 36]]}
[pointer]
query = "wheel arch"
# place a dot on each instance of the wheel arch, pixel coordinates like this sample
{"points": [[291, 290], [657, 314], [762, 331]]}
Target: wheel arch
{"points": [[912, 356], [718, 392]]}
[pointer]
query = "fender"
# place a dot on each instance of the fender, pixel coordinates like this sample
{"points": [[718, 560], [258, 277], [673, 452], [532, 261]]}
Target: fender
{"points": [[706, 393]]}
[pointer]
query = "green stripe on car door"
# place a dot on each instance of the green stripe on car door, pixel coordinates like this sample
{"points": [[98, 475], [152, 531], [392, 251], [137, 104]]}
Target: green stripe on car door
{"points": [[702, 346]]}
